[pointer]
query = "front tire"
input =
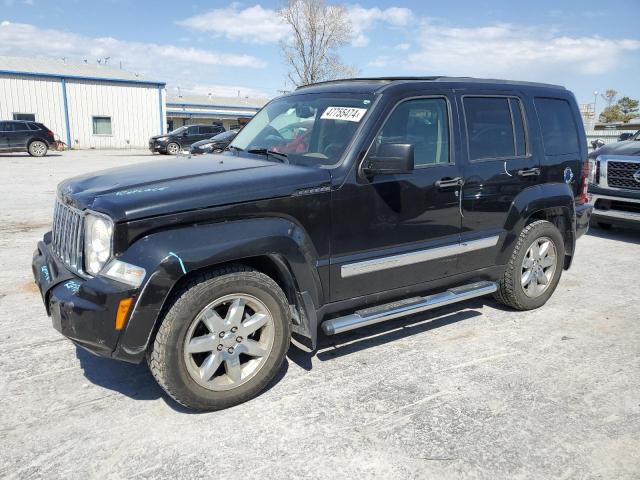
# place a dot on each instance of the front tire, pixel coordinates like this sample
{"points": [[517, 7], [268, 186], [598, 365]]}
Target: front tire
{"points": [[37, 148], [534, 269], [173, 148], [223, 339]]}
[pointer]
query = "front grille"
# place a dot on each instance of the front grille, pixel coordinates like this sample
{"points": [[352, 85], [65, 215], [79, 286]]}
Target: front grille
{"points": [[67, 232], [620, 175]]}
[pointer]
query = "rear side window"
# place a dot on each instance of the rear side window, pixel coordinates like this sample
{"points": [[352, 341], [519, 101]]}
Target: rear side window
{"points": [[207, 130], [495, 127], [559, 131]]}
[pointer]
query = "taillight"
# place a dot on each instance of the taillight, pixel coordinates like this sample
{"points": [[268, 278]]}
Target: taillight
{"points": [[583, 198]]}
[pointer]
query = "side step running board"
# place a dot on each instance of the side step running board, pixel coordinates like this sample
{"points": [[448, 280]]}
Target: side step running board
{"points": [[389, 311]]}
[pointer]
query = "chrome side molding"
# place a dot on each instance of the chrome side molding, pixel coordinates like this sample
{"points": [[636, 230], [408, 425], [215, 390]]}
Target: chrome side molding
{"points": [[403, 259]]}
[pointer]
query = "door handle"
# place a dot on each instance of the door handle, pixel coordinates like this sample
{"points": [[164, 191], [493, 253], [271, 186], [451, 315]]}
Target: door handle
{"points": [[529, 172], [449, 182]]}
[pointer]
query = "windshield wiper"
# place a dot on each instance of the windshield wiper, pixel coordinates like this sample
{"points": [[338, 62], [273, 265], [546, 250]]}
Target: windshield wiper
{"points": [[233, 147], [265, 151]]}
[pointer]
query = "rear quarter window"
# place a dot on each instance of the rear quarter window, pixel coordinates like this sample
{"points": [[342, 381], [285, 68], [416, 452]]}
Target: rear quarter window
{"points": [[558, 127]]}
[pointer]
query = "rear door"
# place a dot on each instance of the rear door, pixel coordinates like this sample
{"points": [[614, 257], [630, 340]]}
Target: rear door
{"points": [[206, 132], [20, 136], [499, 165]]}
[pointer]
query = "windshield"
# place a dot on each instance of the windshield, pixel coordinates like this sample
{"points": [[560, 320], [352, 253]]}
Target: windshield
{"points": [[178, 131], [310, 129]]}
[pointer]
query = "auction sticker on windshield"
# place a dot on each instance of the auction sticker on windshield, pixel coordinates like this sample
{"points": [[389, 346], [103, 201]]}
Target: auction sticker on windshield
{"points": [[349, 114]]}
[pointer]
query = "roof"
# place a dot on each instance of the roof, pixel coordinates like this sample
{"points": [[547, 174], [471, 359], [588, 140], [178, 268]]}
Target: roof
{"points": [[206, 101], [44, 67], [375, 84]]}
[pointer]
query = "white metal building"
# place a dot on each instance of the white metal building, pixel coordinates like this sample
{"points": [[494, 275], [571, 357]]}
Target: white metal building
{"points": [[209, 109], [87, 106]]}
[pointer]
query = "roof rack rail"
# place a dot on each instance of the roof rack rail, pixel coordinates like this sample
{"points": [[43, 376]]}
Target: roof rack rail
{"points": [[433, 78]]}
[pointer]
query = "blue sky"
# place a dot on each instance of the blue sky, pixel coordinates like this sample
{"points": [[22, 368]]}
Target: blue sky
{"points": [[221, 47]]}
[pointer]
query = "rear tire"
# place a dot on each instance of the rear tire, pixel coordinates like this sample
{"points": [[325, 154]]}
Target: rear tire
{"points": [[37, 148], [197, 356], [534, 269]]}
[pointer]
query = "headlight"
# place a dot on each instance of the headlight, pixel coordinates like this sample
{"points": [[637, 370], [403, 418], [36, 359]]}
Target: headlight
{"points": [[162, 139], [98, 235], [125, 273]]}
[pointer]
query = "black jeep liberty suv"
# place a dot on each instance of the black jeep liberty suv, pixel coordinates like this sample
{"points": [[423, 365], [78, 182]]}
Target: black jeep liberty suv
{"points": [[340, 205]]}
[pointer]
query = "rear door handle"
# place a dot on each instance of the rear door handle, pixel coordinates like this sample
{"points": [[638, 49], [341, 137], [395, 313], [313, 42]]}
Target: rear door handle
{"points": [[449, 182], [529, 172]]}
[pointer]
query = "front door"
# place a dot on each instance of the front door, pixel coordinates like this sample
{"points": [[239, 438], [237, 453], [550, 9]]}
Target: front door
{"points": [[499, 166], [396, 230], [4, 134]]}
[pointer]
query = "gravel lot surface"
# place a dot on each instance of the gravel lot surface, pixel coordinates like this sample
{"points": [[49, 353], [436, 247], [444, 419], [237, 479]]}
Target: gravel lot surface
{"points": [[472, 390]]}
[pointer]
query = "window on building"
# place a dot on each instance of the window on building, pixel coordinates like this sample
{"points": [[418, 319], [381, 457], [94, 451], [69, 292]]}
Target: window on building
{"points": [[29, 117], [495, 127], [424, 123], [559, 131], [102, 125]]}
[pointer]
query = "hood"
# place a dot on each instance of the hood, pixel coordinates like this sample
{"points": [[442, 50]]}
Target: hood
{"points": [[181, 184], [628, 147]]}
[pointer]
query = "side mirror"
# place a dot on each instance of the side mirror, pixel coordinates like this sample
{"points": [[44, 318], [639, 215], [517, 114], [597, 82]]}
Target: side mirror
{"points": [[390, 158], [597, 144]]}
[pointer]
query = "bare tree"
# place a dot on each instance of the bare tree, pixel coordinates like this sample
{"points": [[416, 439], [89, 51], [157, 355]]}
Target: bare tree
{"points": [[318, 30], [609, 96]]}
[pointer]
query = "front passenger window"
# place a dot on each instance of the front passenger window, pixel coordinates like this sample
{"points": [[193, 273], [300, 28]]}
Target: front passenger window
{"points": [[424, 123]]}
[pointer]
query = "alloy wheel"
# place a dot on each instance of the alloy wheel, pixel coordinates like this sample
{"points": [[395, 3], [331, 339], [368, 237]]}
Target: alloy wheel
{"points": [[228, 342], [538, 267]]}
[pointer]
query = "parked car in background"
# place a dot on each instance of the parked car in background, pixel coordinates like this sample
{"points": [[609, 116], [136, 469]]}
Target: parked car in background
{"points": [[630, 146], [23, 136], [396, 196], [627, 136], [614, 184], [181, 138], [215, 144]]}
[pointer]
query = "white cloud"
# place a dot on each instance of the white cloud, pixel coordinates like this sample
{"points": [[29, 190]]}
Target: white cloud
{"points": [[253, 24], [513, 51], [363, 19], [184, 66], [403, 46], [257, 24]]}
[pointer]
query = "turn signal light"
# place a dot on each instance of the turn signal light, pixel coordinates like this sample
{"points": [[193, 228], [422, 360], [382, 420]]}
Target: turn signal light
{"points": [[123, 311]]}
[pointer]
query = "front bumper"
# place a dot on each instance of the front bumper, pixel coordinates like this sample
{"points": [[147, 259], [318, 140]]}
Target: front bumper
{"points": [[615, 209], [158, 147], [83, 310]]}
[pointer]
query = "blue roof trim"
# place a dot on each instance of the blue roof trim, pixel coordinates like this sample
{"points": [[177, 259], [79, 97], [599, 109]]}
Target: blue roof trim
{"points": [[80, 77], [180, 113], [203, 105]]}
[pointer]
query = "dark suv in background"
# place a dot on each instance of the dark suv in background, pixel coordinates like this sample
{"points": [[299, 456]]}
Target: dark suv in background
{"points": [[21, 136], [181, 138]]}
